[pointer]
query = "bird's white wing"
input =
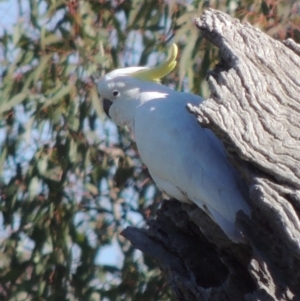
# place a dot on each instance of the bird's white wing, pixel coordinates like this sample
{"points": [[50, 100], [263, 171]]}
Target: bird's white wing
{"points": [[186, 161]]}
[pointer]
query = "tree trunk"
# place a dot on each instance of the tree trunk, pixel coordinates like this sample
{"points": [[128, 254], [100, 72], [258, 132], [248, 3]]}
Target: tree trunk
{"points": [[254, 109]]}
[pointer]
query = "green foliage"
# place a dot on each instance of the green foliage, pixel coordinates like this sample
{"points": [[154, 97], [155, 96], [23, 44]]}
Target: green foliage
{"points": [[70, 181]]}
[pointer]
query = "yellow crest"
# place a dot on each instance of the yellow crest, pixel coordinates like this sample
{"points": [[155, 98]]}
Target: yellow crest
{"points": [[158, 72]]}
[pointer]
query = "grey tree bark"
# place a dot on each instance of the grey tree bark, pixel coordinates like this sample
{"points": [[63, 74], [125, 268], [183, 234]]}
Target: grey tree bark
{"points": [[254, 109]]}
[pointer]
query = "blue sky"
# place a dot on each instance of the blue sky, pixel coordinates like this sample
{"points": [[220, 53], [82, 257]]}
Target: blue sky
{"points": [[8, 14]]}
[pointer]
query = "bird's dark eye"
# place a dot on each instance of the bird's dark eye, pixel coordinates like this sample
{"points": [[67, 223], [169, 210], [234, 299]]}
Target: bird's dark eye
{"points": [[115, 93]]}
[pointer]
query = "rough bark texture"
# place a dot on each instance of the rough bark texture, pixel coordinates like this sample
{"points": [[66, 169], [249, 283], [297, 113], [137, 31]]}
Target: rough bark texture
{"points": [[254, 109]]}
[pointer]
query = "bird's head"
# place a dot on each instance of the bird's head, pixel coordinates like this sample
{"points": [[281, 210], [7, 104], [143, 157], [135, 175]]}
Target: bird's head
{"points": [[122, 89]]}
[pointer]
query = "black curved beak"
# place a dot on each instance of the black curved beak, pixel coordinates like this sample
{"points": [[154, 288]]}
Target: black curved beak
{"points": [[106, 105]]}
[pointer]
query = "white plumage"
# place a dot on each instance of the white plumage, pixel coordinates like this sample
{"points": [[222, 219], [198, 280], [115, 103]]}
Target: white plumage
{"points": [[186, 161]]}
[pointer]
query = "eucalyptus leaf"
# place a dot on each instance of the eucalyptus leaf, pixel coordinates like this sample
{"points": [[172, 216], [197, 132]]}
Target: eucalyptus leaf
{"points": [[15, 100]]}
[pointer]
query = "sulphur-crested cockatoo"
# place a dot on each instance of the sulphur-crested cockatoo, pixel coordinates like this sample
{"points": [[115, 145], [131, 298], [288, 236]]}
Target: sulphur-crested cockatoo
{"points": [[185, 160]]}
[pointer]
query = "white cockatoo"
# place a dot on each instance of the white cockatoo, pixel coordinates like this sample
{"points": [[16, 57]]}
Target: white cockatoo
{"points": [[185, 160]]}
